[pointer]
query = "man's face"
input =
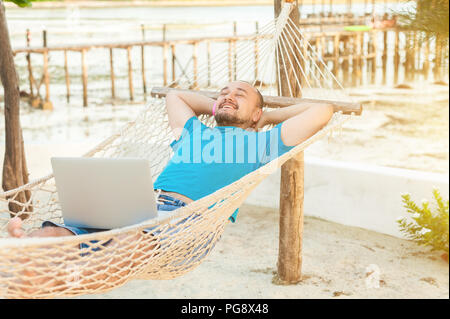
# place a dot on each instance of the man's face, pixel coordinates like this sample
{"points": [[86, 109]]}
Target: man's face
{"points": [[237, 105]]}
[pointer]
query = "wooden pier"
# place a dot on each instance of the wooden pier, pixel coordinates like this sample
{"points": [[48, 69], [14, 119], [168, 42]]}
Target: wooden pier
{"points": [[355, 57]]}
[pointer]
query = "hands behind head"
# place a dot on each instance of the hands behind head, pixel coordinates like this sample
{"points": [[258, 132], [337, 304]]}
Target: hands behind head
{"points": [[261, 123]]}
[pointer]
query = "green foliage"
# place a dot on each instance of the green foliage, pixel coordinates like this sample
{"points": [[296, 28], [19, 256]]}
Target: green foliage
{"points": [[21, 3], [429, 227], [429, 16]]}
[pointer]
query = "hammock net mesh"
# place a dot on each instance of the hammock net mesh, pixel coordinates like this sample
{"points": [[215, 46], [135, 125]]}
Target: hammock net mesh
{"points": [[59, 267]]}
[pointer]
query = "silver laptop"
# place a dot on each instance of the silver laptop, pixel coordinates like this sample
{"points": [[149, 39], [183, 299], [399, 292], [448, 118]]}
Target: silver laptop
{"points": [[104, 192]]}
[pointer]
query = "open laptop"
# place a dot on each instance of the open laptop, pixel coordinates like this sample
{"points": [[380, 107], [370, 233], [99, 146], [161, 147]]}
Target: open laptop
{"points": [[104, 192]]}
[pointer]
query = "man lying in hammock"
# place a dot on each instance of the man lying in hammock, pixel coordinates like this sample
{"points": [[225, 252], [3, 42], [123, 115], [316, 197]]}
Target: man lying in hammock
{"points": [[193, 171], [237, 144]]}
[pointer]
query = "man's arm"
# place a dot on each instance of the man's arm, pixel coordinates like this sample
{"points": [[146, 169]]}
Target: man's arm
{"points": [[181, 106], [300, 121]]}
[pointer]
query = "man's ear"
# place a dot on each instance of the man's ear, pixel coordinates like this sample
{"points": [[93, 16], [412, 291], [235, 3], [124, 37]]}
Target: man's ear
{"points": [[257, 115]]}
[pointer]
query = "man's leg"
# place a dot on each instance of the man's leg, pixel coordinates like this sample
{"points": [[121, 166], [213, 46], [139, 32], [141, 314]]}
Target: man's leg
{"points": [[28, 279], [15, 230], [97, 275]]}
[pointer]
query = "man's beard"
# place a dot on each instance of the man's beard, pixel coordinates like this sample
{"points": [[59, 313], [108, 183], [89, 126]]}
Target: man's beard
{"points": [[226, 119]]}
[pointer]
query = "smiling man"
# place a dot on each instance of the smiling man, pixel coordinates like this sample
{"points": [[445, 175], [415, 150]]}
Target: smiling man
{"points": [[206, 159]]}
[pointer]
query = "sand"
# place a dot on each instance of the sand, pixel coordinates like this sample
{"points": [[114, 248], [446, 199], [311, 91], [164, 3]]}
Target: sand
{"points": [[336, 263], [336, 258]]}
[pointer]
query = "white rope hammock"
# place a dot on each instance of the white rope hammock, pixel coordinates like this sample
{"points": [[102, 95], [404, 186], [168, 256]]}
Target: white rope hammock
{"points": [[56, 267]]}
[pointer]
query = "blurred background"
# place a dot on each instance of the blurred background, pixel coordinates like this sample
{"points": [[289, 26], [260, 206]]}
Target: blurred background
{"points": [[404, 94]]}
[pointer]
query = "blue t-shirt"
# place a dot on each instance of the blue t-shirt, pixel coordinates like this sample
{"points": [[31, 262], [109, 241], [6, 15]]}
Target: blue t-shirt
{"points": [[206, 159]]}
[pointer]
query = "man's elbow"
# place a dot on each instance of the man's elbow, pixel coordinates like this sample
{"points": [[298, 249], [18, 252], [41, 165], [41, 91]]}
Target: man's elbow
{"points": [[328, 111], [172, 98], [171, 94]]}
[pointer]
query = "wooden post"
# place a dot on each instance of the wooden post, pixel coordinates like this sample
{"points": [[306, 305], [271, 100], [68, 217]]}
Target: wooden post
{"points": [[365, 51], [15, 172], [30, 69], [234, 52], [407, 56], [144, 82], [66, 73], [354, 55], [291, 193], [165, 63], [323, 49], [256, 50], [426, 59], [172, 50], [111, 67], [230, 61], [438, 58], [208, 57], [164, 36], [396, 56], [274, 101], [195, 63], [374, 59], [291, 220], [47, 105], [359, 53], [303, 80], [317, 60], [414, 55], [336, 55], [84, 76], [130, 74], [164, 31], [346, 61], [384, 57], [44, 38]]}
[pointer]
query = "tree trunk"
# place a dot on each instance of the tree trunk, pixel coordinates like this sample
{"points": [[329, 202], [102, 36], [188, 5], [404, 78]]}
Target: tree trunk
{"points": [[292, 177], [15, 171]]}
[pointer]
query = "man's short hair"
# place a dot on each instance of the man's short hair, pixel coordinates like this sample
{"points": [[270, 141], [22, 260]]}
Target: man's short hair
{"points": [[260, 97]]}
